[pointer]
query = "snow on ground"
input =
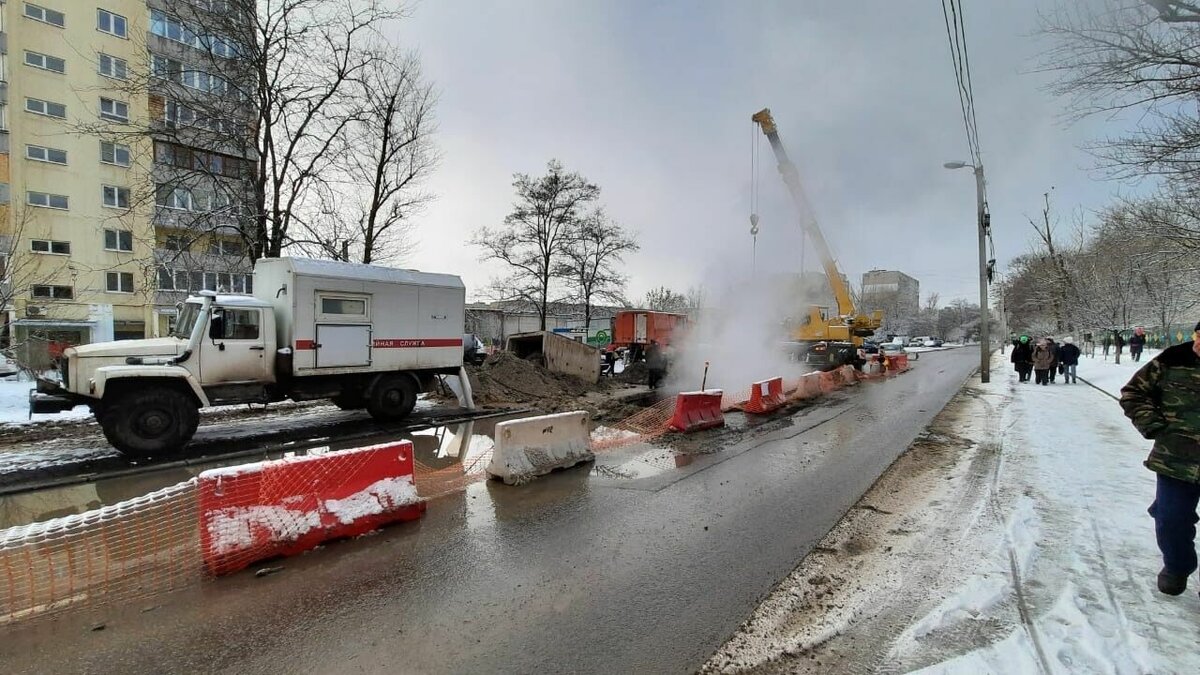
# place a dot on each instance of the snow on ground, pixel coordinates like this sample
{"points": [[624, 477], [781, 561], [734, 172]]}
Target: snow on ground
{"points": [[1020, 544], [14, 405], [1109, 375]]}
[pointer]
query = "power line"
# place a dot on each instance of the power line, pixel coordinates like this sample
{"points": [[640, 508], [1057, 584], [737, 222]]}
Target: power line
{"points": [[960, 61]]}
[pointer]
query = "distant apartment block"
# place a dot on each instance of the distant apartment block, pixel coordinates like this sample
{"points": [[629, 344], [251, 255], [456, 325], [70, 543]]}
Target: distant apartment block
{"points": [[896, 294], [120, 192]]}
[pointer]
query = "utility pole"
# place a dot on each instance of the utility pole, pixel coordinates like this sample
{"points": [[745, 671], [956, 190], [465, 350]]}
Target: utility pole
{"points": [[985, 343]]}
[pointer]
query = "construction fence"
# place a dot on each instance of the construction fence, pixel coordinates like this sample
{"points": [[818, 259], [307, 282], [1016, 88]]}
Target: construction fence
{"points": [[226, 519]]}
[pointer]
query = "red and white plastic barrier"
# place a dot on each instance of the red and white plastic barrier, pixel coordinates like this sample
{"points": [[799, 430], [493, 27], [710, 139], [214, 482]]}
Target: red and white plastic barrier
{"points": [[766, 396], [697, 410], [284, 507]]}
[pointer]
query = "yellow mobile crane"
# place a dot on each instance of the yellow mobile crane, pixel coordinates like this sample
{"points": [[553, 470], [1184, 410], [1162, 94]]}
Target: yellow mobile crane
{"points": [[848, 326]]}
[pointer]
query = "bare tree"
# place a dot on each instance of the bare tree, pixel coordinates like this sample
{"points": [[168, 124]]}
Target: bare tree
{"points": [[1117, 55], [663, 299], [536, 236], [1061, 282], [588, 265], [389, 153]]}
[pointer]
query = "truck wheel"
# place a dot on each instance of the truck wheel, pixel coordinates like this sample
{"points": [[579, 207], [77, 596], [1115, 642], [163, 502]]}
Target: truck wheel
{"points": [[150, 421], [392, 398]]}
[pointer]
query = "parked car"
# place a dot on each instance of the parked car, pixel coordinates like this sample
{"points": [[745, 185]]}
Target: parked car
{"points": [[919, 341], [8, 366], [474, 352], [932, 342], [870, 348]]}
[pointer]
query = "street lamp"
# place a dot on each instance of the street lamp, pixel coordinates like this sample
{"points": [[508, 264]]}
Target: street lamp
{"points": [[985, 347]]}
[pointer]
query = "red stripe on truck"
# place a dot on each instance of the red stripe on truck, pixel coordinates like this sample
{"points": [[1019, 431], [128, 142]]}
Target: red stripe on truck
{"points": [[394, 343]]}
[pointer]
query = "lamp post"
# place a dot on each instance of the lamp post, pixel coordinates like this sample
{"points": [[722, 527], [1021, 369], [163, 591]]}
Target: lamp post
{"points": [[984, 318]]}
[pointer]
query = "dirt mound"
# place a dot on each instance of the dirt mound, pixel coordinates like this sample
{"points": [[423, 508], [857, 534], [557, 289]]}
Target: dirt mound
{"points": [[636, 373], [505, 379]]}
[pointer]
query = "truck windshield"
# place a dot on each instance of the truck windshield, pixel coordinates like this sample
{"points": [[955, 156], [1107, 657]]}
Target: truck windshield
{"points": [[188, 314]]}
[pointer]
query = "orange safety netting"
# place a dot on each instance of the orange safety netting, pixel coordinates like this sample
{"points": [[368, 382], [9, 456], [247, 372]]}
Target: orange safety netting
{"points": [[149, 545]]}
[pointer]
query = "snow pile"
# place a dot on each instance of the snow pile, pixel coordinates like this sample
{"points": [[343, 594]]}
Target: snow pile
{"points": [[237, 528], [380, 497]]}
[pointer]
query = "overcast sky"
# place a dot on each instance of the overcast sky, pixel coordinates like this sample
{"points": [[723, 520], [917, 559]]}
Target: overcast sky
{"points": [[652, 101]]}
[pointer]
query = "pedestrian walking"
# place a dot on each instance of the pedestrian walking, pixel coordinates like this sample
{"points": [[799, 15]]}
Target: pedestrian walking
{"points": [[1022, 358], [1119, 343], [1089, 345], [1068, 359], [1055, 366], [1137, 342], [1163, 401], [1107, 344], [1043, 361]]}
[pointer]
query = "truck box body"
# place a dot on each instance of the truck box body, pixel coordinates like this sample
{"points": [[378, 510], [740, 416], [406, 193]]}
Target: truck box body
{"points": [[347, 318], [640, 327]]}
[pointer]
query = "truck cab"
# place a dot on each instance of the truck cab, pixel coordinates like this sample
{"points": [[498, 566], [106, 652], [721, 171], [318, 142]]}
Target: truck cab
{"points": [[146, 393]]}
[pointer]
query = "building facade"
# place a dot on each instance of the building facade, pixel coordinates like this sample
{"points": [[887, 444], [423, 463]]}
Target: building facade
{"points": [[101, 229], [894, 293]]}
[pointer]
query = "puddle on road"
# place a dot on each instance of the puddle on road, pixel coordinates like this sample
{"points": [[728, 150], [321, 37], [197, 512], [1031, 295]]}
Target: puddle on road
{"points": [[435, 448]]}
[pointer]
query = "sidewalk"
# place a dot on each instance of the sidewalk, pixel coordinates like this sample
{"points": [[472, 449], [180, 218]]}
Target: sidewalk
{"points": [[1013, 539]]}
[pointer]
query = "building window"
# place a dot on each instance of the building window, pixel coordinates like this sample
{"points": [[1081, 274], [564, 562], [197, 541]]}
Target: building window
{"points": [[175, 198], [166, 26], [53, 292], [114, 153], [114, 110], [50, 246], [118, 240], [42, 154], [177, 242], [113, 24], [224, 282], [45, 62], [226, 247], [115, 197], [39, 107], [39, 13], [46, 200], [111, 66], [118, 282]]}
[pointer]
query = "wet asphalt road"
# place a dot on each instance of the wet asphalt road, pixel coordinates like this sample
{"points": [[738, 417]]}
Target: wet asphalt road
{"points": [[573, 573]]}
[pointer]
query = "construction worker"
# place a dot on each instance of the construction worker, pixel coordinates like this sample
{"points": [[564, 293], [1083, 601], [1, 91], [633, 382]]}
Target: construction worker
{"points": [[656, 363]]}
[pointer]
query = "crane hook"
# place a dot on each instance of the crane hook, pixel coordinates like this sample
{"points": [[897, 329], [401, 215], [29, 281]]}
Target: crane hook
{"points": [[754, 224]]}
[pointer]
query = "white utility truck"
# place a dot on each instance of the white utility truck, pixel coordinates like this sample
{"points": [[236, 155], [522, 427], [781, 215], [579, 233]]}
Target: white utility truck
{"points": [[364, 336]]}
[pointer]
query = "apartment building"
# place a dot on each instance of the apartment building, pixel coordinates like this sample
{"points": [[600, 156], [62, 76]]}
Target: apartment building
{"points": [[117, 197]]}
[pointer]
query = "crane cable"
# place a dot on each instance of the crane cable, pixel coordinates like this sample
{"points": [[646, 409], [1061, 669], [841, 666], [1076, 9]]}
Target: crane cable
{"points": [[754, 140]]}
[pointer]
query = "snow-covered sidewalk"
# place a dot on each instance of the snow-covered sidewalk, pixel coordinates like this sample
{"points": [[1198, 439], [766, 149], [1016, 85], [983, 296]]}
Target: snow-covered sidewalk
{"points": [[1012, 539]]}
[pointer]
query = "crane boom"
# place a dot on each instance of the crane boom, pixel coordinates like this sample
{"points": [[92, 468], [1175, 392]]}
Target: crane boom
{"points": [[791, 178]]}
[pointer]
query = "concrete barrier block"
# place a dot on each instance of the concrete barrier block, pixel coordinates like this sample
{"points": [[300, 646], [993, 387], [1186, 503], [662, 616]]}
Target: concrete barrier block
{"points": [[533, 446]]}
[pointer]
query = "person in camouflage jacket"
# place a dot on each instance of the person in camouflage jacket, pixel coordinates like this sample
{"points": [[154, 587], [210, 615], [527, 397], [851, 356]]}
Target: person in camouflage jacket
{"points": [[1163, 400]]}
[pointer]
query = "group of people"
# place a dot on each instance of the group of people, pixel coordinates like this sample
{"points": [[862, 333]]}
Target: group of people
{"points": [[1045, 359]]}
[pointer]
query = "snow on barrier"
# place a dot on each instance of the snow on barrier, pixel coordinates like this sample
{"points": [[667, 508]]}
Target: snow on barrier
{"points": [[281, 507], [766, 396], [697, 410], [533, 446]]}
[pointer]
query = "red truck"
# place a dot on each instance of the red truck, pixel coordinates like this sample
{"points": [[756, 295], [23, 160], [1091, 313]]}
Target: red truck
{"points": [[635, 329]]}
